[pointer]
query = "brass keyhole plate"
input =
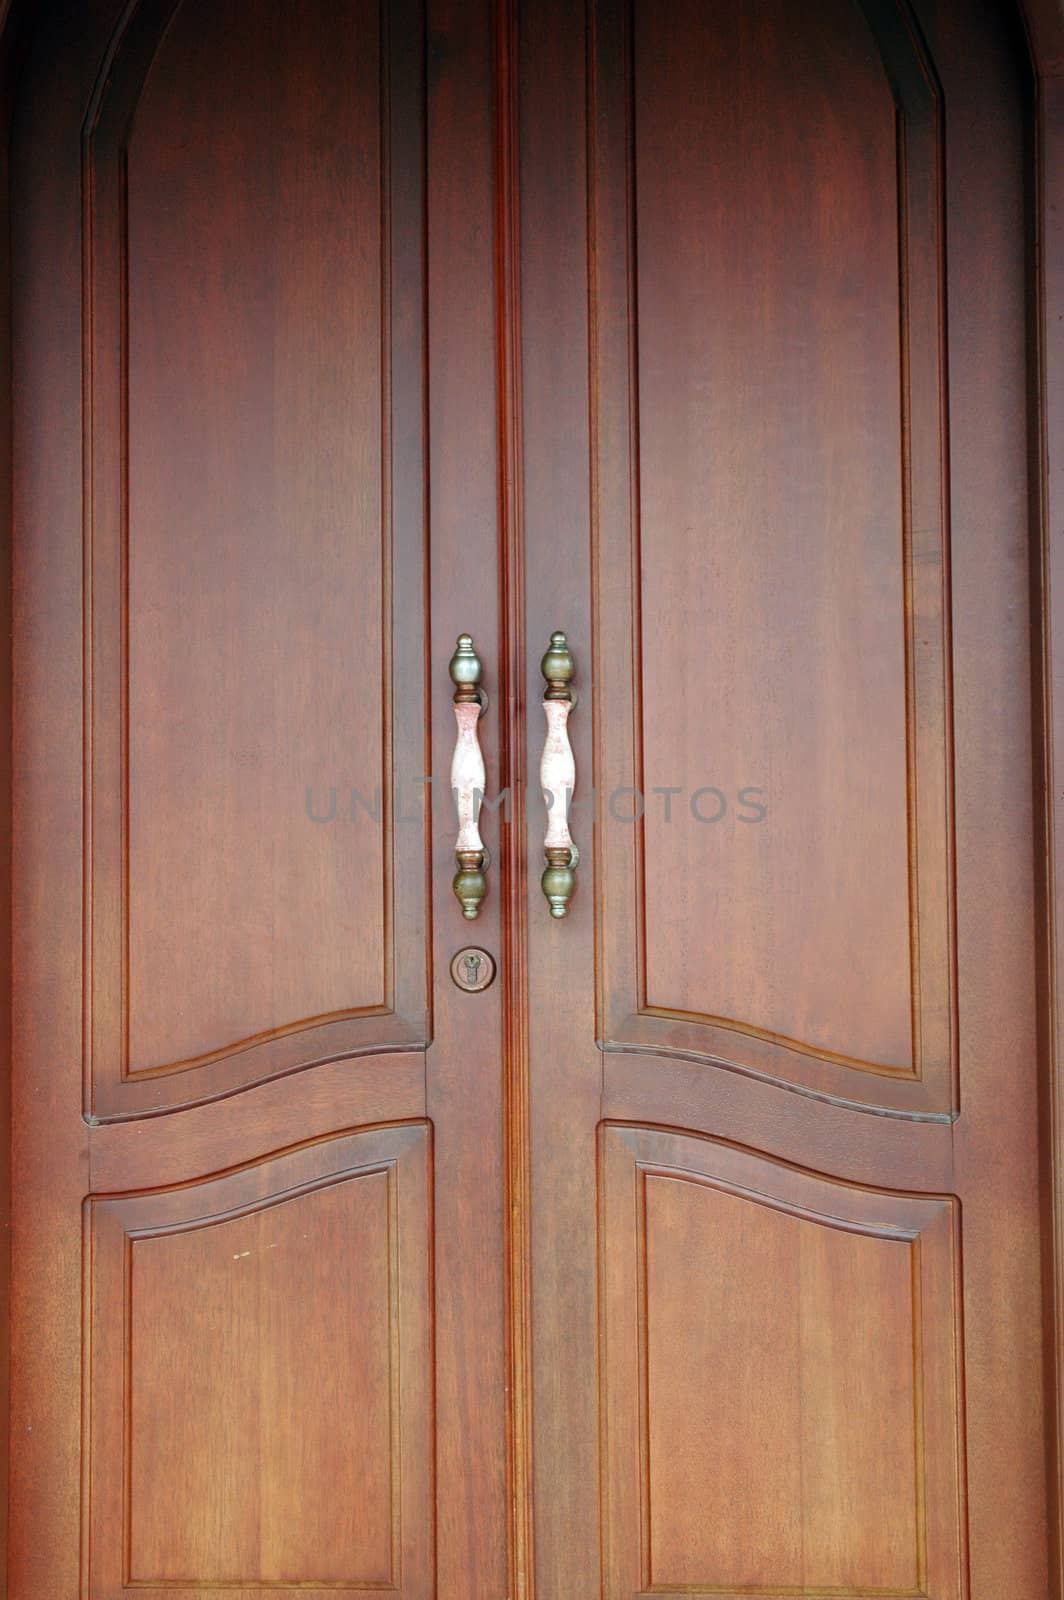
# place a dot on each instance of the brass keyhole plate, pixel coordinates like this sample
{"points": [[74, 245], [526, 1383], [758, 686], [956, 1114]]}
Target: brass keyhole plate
{"points": [[472, 969]]}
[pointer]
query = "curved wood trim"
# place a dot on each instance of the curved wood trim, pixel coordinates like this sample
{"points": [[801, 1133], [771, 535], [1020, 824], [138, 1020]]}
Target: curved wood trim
{"points": [[841, 1141], [711, 1041], [693, 1056], [283, 1054], [256, 1041], [191, 1144], [751, 1031], [627, 1012], [397, 1016]]}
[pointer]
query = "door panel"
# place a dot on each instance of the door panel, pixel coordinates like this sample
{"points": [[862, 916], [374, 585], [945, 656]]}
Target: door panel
{"points": [[772, 549], [219, 1290], [809, 1440], [254, 442]]}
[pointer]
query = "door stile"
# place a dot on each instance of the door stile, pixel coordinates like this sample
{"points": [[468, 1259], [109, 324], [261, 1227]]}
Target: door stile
{"points": [[50, 1141], [464, 1061], [565, 1067], [512, 795]]}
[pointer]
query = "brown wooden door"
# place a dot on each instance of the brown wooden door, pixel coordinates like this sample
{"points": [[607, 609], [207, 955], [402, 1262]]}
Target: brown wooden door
{"points": [[259, 1323], [700, 1253], [785, 1291]]}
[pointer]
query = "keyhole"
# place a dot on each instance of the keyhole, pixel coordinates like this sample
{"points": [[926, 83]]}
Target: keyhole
{"points": [[472, 969]]}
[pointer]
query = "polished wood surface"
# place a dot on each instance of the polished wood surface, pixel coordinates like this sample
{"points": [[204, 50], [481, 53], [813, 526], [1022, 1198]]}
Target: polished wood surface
{"points": [[780, 584], [255, 589], [463, 1074], [253, 707], [1046, 25], [704, 1252], [326, 1250], [732, 304], [259, 1304], [771, 587], [803, 1309]]}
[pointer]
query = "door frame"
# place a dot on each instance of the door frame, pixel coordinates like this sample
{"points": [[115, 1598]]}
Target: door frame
{"points": [[1042, 23]]}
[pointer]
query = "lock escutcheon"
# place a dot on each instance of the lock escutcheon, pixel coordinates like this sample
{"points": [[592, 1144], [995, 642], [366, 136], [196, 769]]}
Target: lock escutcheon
{"points": [[472, 969]]}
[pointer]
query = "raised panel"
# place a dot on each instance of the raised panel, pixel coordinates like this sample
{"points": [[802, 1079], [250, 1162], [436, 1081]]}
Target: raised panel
{"points": [[781, 1379], [260, 1406], [772, 664], [254, 529], [779, 1375]]}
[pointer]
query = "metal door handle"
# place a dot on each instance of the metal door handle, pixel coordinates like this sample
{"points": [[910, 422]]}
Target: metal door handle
{"points": [[467, 777], [557, 777]]}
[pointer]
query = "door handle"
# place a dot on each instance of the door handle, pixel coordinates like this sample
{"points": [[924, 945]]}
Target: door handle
{"points": [[557, 777], [467, 777]]}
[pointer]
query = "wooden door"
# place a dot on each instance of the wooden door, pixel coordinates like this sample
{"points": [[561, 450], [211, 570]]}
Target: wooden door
{"points": [[785, 1287], [699, 1254], [259, 1336]]}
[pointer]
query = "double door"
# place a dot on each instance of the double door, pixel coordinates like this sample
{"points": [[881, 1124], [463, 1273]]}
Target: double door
{"points": [[697, 1253]]}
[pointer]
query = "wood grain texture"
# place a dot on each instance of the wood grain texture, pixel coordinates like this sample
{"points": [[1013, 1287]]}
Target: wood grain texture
{"points": [[514, 863], [920, 1127], [670, 269], [774, 634], [248, 413], [996, 1137], [780, 1378], [564, 1068], [1045, 29], [292, 1355], [261, 1370], [154, 1151], [465, 1062], [775, 1386], [781, 1386], [49, 1139], [754, 463]]}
